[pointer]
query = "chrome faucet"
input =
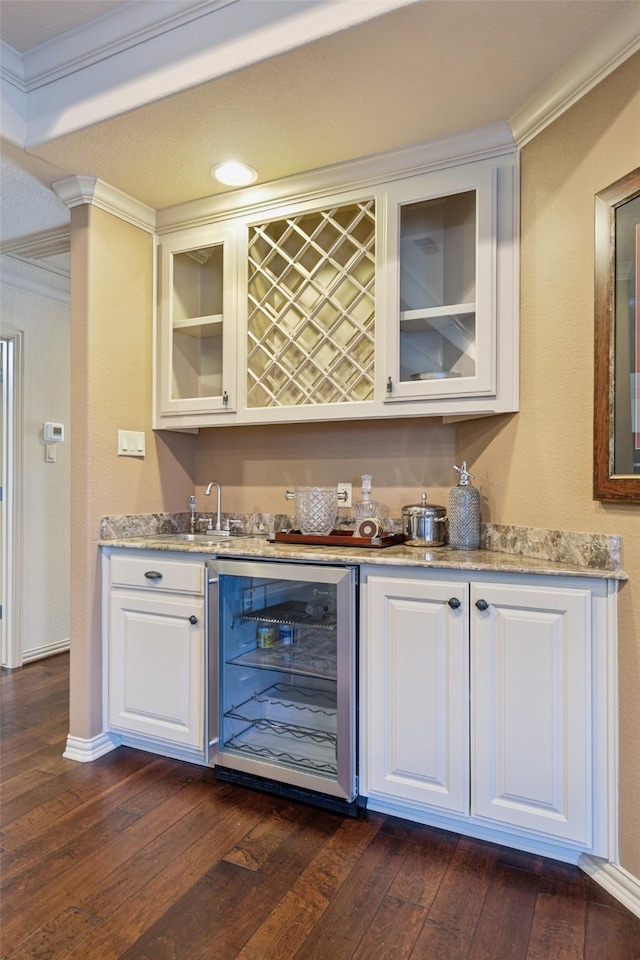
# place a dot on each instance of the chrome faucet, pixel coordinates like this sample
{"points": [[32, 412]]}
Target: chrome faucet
{"points": [[207, 493]]}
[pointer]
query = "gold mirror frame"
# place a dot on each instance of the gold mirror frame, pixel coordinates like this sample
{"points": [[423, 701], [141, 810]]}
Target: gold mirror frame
{"points": [[617, 343]]}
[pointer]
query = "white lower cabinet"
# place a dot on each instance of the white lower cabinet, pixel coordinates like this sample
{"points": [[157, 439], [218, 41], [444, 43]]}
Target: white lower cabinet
{"points": [[531, 729], [484, 704], [417, 691], [156, 650]]}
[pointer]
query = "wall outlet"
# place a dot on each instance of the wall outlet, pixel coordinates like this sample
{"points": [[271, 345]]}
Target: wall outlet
{"points": [[348, 489]]}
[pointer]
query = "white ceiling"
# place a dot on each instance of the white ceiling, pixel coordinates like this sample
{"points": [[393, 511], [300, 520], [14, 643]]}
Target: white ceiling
{"points": [[412, 72], [28, 23]]}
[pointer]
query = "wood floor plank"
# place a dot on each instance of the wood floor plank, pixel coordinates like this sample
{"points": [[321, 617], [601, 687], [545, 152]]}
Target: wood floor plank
{"points": [[25, 818], [448, 930], [558, 927], [53, 939], [81, 819], [393, 931], [30, 780], [137, 913], [420, 875], [43, 872], [611, 934], [292, 919], [344, 923], [507, 913], [244, 897], [256, 848], [91, 875]]}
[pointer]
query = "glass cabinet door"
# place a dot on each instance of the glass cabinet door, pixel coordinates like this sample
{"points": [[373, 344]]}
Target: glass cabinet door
{"points": [[441, 308], [198, 347]]}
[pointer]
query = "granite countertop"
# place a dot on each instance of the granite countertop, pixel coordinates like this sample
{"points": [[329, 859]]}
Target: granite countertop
{"points": [[442, 558]]}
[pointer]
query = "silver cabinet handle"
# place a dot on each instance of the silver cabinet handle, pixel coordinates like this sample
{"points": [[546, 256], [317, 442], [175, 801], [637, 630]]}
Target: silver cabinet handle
{"points": [[193, 619], [454, 603], [482, 605], [153, 575]]}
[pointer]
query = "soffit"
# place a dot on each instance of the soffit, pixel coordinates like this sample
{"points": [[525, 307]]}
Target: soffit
{"points": [[418, 73]]}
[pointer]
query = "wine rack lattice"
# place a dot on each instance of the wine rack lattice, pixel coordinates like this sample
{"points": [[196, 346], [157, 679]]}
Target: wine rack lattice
{"points": [[311, 308]]}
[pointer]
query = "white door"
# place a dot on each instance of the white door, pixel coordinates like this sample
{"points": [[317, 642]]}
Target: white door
{"points": [[416, 691], [156, 666], [531, 694]]}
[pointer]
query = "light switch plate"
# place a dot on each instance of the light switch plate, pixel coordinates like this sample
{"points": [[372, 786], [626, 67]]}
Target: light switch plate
{"points": [[131, 443]]}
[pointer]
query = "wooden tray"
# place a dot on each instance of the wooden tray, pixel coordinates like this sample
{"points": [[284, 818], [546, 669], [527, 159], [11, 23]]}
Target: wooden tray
{"points": [[338, 538]]}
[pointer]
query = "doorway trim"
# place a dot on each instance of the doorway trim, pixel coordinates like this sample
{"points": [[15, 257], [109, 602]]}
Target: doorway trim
{"points": [[13, 414]]}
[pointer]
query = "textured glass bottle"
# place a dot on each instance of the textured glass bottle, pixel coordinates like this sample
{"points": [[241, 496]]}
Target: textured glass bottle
{"points": [[464, 512], [366, 508]]}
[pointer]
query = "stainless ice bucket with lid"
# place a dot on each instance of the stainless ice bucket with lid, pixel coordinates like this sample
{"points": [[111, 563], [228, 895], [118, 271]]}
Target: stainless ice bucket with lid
{"points": [[424, 524]]}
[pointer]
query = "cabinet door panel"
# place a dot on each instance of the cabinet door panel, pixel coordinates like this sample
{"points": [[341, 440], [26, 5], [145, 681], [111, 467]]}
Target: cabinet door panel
{"points": [[156, 659], [417, 697], [531, 722], [196, 323], [442, 295]]}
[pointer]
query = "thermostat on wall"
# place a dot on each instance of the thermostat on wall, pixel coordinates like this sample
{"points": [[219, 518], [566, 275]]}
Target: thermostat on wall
{"points": [[53, 432]]}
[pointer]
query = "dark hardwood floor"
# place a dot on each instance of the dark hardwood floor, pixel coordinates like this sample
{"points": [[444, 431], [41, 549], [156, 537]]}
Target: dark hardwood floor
{"points": [[141, 858]]}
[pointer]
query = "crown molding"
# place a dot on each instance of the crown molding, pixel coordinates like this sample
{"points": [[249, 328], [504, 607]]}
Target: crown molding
{"points": [[482, 143], [108, 35], [75, 191], [38, 286], [594, 63], [36, 246], [141, 52]]}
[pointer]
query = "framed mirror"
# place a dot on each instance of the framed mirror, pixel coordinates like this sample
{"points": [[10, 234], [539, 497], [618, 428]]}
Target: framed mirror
{"points": [[616, 474]]}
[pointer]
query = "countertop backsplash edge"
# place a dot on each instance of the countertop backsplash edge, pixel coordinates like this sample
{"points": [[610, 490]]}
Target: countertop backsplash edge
{"points": [[590, 550]]}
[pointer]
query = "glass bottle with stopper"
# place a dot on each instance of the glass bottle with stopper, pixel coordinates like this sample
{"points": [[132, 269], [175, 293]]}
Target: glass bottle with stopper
{"points": [[366, 508], [464, 512]]}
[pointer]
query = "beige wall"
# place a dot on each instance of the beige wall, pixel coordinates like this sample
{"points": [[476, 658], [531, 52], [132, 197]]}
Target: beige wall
{"points": [[536, 468], [111, 350], [257, 464]]}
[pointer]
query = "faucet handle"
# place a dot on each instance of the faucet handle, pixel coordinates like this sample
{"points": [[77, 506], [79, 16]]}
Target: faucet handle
{"points": [[231, 523], [208, 521]]}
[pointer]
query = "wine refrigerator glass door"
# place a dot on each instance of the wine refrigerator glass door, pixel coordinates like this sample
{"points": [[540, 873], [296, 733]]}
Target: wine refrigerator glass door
{"points": [[286, 638]]}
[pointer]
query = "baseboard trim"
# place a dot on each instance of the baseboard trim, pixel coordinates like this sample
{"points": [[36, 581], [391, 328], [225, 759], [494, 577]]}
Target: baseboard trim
{"points": [[615, 879], [84, 751], [50, 650]]}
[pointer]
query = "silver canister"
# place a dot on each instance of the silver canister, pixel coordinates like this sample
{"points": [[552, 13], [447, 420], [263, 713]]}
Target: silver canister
{"points": [[424, 524]]}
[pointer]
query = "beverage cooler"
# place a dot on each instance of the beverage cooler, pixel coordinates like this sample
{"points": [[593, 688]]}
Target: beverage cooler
{"points": [[282, 657]]}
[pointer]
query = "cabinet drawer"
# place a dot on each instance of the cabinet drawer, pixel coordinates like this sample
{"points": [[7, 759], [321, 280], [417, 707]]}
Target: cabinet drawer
{"points": [[174, 575]]}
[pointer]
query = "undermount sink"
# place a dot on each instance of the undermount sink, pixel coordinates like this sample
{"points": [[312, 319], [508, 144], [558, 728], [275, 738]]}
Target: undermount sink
{"points": [[215, 536]]}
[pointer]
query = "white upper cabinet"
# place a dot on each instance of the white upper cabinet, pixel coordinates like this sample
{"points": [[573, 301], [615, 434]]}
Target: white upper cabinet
{"points": [[395, 296], [441, 288], [197, 329]]}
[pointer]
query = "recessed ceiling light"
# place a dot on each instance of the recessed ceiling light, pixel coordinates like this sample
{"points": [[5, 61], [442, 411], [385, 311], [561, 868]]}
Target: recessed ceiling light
{"points": [[234, 174]]}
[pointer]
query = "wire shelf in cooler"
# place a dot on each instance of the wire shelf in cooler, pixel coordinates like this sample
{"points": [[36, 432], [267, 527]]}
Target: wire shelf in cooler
{"points": [[312, 655], [304, 711], [285, 749], [293, 612]]}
